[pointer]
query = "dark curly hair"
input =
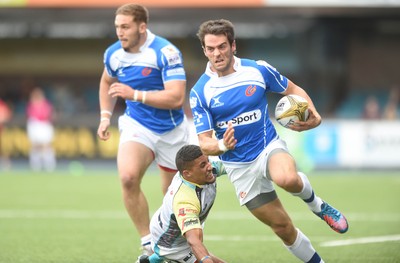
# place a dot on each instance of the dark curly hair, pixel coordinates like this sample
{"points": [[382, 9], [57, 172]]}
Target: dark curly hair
{"points": [[216, 27], [186, 155]]}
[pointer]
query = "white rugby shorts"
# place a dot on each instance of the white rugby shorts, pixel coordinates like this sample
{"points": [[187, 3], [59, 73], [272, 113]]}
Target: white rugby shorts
{"points": [[164, 146], [251, 179], [40, 132]]}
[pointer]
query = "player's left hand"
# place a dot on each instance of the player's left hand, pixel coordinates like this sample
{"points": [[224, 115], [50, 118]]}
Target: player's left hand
{"points": [[123, 91], [314, 119]]}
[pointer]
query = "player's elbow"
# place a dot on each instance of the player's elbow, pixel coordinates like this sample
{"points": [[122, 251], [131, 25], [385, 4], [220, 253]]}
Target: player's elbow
{"points": [[177, 103]]}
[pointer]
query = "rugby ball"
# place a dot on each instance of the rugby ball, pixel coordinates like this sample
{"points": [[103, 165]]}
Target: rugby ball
{"points": [[291, 108]]}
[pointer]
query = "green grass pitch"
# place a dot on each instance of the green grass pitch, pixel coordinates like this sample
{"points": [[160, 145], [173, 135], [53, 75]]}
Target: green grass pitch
{"points": [[62, 217]]}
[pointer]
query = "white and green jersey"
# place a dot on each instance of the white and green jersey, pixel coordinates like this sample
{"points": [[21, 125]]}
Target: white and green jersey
{"points": [[185, 206]]}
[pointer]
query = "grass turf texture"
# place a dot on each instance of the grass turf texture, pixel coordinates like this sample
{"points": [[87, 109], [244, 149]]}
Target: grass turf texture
{"points": [[60, 218]]}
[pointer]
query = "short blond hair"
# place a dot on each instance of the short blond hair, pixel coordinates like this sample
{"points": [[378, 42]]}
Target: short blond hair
{"points": [[138, 12]]}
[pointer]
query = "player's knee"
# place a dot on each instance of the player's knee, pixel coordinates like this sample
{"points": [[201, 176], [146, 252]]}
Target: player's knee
{"points": [[289, 181], [130, 182]]}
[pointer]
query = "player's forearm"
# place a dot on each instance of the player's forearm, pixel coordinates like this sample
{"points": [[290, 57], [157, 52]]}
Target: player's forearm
{"points": [[201, 252], [163, 99], [297, 90], [210, 146], [194, 238], [107, 103]]}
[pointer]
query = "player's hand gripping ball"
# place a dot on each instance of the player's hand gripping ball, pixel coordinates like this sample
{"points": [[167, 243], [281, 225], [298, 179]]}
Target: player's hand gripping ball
{"points": [[291, 108]]}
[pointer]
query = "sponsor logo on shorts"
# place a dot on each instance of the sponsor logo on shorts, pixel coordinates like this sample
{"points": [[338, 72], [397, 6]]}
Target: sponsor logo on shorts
{"points": [[242, 194], [189, 256], [243, 119]]}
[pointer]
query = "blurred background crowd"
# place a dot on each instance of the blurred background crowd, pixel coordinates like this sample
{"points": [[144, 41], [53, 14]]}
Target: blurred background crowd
{"points": [[345, 55]]}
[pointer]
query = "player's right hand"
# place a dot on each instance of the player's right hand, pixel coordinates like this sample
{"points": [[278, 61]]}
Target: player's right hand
{"points": [[102, 131], [229, 137]]}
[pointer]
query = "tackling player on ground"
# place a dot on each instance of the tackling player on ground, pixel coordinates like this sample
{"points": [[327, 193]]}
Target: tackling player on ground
{"points": [[177, 226]]}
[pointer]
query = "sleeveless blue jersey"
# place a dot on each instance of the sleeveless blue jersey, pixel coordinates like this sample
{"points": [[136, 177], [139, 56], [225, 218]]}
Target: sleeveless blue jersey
{"points": [[240, 98], [157, 62]]}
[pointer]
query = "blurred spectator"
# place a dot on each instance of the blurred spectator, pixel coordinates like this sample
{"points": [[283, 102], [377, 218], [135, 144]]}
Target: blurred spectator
{"points": [[40, 131], [371, 109], [5, 116], [390, 110]]}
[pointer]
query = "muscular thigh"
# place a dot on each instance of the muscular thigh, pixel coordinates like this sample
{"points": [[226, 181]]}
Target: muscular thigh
{"points": [[133, 160], [281, 167]]}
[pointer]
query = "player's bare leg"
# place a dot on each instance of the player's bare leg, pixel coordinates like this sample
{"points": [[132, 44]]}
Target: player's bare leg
{"points": [[283, 172], [166, 179], [274, 215], [133, 160]]}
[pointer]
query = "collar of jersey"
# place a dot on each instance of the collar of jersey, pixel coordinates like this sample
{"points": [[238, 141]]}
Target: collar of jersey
{"points": [[235, 67], [149, 40], [190, 184]]}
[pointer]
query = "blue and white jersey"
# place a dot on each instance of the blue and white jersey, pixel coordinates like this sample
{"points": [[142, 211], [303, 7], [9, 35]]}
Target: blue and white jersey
{"points": [[240, 98], [157, 62]]}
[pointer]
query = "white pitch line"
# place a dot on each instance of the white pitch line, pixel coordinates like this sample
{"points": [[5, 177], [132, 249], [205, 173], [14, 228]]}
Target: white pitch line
{"points": [[307, 216], [61, 214], [363, 240], [214, 215], [240, 238]]}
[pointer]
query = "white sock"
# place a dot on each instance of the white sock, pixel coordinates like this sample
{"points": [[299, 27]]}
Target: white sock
{"points": [[146, 240], [35, 160], [302, 249], [49, 160], [308, 196]]}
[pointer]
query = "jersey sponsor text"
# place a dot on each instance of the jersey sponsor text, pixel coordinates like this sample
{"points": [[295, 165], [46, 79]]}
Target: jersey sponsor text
{"points": [[242, 119]]}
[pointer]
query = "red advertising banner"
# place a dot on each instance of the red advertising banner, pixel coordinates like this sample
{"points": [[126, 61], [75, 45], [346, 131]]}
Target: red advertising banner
{"points": [[147, 3]]}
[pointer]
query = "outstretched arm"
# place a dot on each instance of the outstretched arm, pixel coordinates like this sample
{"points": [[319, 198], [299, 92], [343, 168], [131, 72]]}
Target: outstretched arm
{"points": [[194, 238], [211, 146]]}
